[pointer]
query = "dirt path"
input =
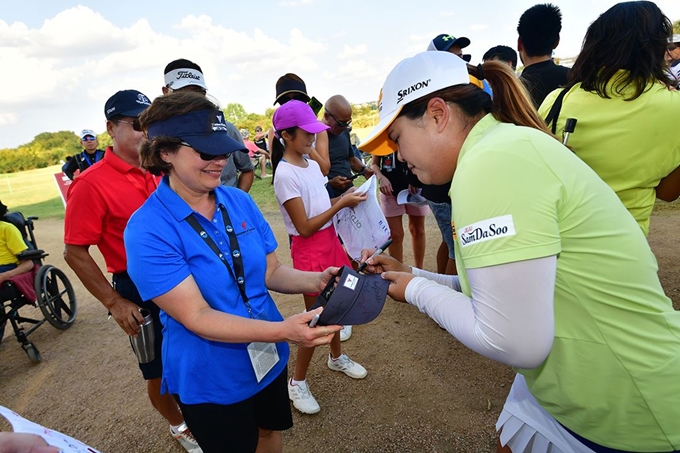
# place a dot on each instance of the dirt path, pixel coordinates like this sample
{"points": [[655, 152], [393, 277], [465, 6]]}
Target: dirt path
{"points": [[425, 392]]}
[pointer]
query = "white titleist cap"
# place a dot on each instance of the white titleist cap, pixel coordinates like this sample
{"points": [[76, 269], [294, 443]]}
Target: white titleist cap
{"points": [[410, 80], [180, 78]]}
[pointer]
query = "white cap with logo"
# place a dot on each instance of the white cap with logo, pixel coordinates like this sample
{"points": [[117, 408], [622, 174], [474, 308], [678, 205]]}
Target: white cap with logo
{"points": [[182, 77], [410, 80]]}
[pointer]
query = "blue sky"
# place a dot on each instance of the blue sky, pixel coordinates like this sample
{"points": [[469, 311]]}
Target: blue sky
{"points": [[61, 60]]}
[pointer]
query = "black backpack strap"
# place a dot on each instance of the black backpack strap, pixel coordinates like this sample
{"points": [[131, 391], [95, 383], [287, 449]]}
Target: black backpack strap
{"points": [[79, 161], [554, 113]]}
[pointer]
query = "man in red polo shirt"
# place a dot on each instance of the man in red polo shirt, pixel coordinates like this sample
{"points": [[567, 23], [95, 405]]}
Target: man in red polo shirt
{"points": [[100, 203]]}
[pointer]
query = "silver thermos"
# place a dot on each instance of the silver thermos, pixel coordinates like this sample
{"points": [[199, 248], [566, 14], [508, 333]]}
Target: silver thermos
{"points": [[144, 342]]}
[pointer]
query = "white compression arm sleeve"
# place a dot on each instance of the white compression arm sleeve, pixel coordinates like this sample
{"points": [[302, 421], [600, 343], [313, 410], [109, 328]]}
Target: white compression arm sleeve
{"points": [[447, 280], [510, 316]]}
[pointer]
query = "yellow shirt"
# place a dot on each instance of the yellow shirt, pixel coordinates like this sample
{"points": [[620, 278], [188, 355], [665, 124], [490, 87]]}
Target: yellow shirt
{"points": [[631, 145], [11, 243]]}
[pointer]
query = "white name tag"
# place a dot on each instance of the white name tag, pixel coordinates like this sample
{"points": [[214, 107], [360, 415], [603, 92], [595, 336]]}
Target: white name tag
{"points": [[487, 230], [263, 357]]}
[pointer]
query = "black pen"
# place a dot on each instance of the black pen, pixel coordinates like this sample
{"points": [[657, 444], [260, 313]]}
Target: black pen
{"points": [[376, 253]]}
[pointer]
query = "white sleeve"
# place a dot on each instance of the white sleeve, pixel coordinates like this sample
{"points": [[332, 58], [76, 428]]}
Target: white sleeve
{"points": [[510, 316], [447, 280]]}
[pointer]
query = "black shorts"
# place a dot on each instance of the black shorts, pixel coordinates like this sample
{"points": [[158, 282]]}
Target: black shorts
{"points": [[234, 427], [127, 289]]}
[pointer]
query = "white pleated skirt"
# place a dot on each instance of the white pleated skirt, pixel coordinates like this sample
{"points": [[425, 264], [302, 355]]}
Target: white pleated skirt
{"points": [[528, 428]]}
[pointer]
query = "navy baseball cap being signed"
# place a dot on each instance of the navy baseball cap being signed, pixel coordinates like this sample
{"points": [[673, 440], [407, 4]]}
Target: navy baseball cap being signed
{"points": [[356, 299]]}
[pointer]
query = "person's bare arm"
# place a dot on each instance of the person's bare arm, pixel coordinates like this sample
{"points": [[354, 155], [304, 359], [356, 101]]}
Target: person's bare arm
{"points": [[319, 152], [245, 180], [11, 442], [125, 312], [186, 304], [287, 280], [22, 267], [669, 187], [307, 226]]}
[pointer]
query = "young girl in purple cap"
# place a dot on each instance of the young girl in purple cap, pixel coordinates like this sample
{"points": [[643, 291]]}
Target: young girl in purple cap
{"points": [[307, 211]]}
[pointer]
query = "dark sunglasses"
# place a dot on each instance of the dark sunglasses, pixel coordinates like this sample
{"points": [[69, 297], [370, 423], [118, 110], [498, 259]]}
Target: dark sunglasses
{"points": [[135, 124], [344, 124], [672, 47], [88, 138], [205, 156]]}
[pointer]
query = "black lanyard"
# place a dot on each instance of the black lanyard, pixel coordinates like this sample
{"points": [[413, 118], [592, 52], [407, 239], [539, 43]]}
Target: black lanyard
{"points": [[237, 273]]}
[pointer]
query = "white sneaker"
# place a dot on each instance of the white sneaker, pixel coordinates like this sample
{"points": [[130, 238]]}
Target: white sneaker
{"points": [[186, 439], [302, 398], [347, 366], [345, 333]]}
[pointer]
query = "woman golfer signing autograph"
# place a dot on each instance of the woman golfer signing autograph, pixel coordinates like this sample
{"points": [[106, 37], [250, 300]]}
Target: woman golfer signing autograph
{"points": [[555, 277], [204, 253]]}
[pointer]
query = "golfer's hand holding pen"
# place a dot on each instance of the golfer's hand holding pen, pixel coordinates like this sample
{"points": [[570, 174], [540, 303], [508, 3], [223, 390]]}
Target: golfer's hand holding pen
{"points": [[398, 274], [374, 261]]}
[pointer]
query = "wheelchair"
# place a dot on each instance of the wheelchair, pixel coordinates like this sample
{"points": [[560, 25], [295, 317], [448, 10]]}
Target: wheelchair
{"points": [[45, 287]]}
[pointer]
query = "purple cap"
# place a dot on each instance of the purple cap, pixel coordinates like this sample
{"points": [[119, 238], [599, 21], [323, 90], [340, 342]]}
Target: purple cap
{"points": [[295, 113], [356, 299]]}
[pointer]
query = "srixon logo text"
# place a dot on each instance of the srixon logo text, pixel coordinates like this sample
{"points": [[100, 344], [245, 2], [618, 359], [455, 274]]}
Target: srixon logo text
{"points": [[415, 87]]}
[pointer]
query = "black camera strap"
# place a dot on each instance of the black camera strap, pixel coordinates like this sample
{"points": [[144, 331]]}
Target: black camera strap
{"points": [[554, 113], [237, 273]]}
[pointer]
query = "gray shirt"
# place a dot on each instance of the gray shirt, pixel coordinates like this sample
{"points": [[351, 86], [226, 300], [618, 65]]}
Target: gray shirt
{"points": [[238, 161], [340, 153]]}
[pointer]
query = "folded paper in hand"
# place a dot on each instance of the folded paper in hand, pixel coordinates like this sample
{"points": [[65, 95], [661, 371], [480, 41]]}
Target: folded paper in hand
{"points": [[364, 226], [406, 197]]}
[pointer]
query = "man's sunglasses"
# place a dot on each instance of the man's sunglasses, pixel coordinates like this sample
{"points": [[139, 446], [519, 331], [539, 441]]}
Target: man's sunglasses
{"points": [[672, 47], [88, 138], [135, 124], [343, 124], [205, 156]]}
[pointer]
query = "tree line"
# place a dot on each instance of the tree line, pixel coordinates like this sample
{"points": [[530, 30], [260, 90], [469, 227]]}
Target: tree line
{"points": [[51, 148]]}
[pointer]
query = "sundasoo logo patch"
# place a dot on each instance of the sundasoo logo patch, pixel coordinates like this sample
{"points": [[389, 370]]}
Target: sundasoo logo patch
{"points": [[487, 230], [401, 94]]}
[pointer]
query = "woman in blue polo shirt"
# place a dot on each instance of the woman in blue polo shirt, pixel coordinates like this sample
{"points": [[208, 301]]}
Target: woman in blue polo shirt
{"points": [[204, 253], [555, 278]]}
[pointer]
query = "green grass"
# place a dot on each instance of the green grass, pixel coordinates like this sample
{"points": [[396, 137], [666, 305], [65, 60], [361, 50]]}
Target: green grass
{"points": [[32, 192], [262, 192], [35, 193]]}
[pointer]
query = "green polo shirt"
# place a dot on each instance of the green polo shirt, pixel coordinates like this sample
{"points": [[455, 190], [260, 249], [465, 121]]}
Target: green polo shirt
{"points": [[613, 373]]}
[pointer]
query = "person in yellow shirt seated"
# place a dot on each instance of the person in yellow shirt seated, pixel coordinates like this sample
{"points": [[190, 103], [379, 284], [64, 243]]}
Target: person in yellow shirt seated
{"points": [[11, 244]]}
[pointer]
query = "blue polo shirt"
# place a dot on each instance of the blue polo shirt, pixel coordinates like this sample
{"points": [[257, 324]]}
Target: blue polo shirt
{"points": [[163, 250]]}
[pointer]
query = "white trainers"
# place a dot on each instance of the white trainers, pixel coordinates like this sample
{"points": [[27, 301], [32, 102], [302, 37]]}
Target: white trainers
{"points": [[302, 398], [347, 366], [345, 333], [186, 439]]}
